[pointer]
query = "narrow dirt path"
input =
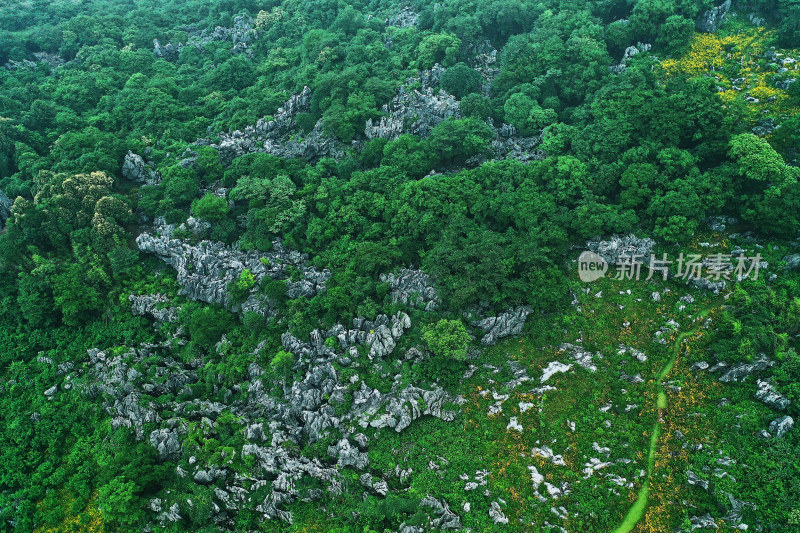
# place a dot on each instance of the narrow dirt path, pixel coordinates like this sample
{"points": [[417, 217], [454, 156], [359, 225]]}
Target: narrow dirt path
{"points": [[636, 512]]}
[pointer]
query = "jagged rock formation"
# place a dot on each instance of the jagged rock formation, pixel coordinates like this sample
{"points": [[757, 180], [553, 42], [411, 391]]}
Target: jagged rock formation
{"points": [[153, 305], [136, 169], [509, 323], [277, 136], [205, 270], [765, 126], [169, 51], [496, 514], [484, 60], [711, 20], [414, 111], [792, 261], [5, 208], [741, 371], [443, 517], [407, 18], [768, 394], [51, 60], [241, 35], [413, 288], [317, 402], [418, 110]]}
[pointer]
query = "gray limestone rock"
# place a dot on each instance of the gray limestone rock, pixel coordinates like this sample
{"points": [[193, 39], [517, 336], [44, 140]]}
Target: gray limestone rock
{"points": [[153, 305], [509, 323], [205, 270], [705, 521], [711, 20], [166, 442], [412, 287], [769, 395], [781, 426], [443, 517], [695, 481], [792, 261], [741, 371], [136, 169], [496, 514]]}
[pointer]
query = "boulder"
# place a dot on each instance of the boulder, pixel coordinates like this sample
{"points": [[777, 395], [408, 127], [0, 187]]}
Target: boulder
{"points": [[781, 426], [135, 169], [769, 395], [496, 514], [792, 261]]}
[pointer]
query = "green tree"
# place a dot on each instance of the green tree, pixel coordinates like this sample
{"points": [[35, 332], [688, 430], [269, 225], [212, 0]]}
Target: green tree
{"points": [[461, 80], [447, 339], [210, 207]]}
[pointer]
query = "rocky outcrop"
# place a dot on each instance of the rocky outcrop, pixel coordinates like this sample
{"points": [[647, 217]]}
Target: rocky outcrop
{"points": [[765, 127], [711, 20], [414, 111], [792, 261], [275, 427], [279, 136], [136, 169], [618, 247], [5, 209], [705, 521], [153, 305], [768, 394], [629, 52], [397, 410], [496, 514], [206, 270], [413, 288], [241, 35], [166, 442], [509, 323], [741, 371], [51, 60], [781, 426], [169, 51], [407, 18], [443, 518]]}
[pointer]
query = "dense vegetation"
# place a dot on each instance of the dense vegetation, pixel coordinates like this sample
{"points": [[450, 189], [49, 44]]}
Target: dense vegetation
{"points": [[698, 125]]}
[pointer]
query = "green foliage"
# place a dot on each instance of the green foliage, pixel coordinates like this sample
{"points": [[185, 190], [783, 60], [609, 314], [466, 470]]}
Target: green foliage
{"points": [[639, 150], [447, 339], [210, 207], [207, 324], [461, 80]]}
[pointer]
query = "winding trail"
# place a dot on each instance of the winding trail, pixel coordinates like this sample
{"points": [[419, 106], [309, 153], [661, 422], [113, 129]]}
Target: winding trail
{"points": [[637, 510]]}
